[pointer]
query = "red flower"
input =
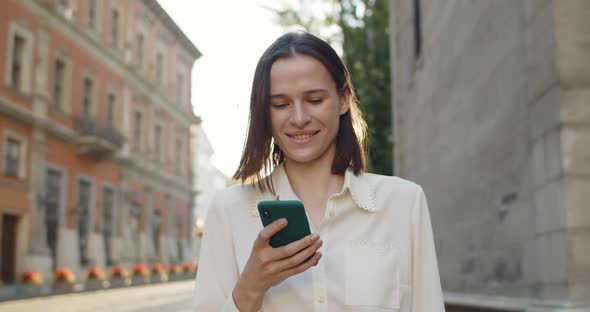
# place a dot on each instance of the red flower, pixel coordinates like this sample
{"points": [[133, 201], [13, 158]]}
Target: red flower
{"points": [[31, 277], [64, 275], [157, 268], [189, 267], [118, 271], [174, 268], [95, 272], [140, 269]]}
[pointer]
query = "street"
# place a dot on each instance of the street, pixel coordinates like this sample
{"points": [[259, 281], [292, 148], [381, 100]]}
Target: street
{"points": [[173, 296]]}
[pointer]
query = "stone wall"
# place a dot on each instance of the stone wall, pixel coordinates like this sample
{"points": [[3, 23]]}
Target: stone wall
{"points": [[480, 121], [573, 49]]}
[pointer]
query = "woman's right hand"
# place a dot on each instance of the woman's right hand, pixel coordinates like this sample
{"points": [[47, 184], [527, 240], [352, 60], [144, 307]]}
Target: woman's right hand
{"points": [[269, 266]]}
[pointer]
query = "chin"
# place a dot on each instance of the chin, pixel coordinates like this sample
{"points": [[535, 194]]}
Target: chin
{"points": [[304, 158]]}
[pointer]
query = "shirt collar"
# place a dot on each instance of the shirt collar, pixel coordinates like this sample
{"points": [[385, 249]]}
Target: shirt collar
{"points": [[361, 191]]}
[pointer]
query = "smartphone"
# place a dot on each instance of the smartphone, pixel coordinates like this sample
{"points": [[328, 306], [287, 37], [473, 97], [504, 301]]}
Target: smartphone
{"points": [[292, 210]]}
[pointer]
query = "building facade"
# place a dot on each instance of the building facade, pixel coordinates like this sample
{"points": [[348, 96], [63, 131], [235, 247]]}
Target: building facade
{"points": [[95, 118], [207, 182], [491, 115]]}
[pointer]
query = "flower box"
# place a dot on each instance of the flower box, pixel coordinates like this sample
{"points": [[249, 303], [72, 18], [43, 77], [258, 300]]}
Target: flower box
{"points": [[31, 277], [175, 272], [30, 283], [158, 274], [140, 274], [189, 269], [95, 279], [119, 277], [63, 280], [96, 284]]}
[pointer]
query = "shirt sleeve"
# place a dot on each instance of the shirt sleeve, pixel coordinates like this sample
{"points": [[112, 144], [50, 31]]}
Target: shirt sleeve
{"points": [[426, 288], [218, 269]]}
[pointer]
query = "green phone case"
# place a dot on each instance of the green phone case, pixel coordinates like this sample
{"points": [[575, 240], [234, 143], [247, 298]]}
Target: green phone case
{"points": [[292, 210]]}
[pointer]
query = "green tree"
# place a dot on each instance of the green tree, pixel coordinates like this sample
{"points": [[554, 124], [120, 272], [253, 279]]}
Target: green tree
{"points": [[365, 47], [364, 42]]}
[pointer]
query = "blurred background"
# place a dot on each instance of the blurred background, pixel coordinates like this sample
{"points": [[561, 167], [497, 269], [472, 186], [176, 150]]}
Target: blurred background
{"points": [[119, 120]]}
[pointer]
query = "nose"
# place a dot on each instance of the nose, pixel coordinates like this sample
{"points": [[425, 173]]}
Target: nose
{"points": [[299, 115]]}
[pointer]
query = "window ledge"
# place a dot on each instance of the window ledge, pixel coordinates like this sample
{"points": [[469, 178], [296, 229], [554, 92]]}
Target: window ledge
{"points": [[18, 92]]}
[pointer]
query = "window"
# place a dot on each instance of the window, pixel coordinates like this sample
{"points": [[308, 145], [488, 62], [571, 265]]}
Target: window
{"points": [[12, 157], [19, 59], [65, 8], [159, 66], [179, 249], [417, 29], [157, 142], [87, 89], [178, 158], [63, 5], [83, 213], [135, 214], [180, 88], [114, 28], [156, 221], [58, 84], [137, 132], [110, 118], [139, 49], [18, 48], [92, 13], [53, 200], [107, 219]]}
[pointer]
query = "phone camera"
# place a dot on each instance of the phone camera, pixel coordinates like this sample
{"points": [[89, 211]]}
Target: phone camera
{"points": [[266, 213]]}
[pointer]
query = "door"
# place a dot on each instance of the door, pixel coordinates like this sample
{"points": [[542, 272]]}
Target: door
{"points": [[107, 219], [84, 188], [53, 183], [8, 258]]}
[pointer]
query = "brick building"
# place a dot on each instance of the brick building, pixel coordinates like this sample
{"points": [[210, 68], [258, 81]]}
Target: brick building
{"points": [[95, 118], [492, 117]]}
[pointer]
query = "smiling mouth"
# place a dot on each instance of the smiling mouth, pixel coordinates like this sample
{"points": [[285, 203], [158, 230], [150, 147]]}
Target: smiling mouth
{"points": [[302, 136]]}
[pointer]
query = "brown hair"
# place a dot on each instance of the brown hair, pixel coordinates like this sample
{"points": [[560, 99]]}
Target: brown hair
{"points": [[257, 156]]}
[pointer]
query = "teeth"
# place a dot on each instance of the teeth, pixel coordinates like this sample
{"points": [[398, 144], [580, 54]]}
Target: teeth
{"points": [[302, 136]]}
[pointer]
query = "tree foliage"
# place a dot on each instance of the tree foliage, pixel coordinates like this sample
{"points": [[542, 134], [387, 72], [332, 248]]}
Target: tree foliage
{"points": [[364, 42]]}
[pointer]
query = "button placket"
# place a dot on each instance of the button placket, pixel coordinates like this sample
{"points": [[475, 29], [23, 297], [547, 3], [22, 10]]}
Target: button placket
{"points": [[320, 291]]}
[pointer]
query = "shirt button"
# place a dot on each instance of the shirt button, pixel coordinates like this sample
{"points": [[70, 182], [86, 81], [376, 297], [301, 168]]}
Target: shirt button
{"points": [[321, 299], [332, 213]]}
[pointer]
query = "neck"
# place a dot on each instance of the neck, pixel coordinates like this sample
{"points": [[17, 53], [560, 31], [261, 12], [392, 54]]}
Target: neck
{"points": [[314, 181]]}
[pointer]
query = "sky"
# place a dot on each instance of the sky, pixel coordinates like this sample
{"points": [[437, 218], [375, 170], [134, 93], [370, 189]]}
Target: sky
{"points": [[231, 35]]}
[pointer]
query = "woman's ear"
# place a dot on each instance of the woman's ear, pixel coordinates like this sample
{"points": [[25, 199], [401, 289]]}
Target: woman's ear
{"points": [[345, 100]]}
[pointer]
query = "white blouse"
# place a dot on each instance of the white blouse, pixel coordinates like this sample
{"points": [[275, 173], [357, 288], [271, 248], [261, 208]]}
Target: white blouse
{"points": [[378, 250]]}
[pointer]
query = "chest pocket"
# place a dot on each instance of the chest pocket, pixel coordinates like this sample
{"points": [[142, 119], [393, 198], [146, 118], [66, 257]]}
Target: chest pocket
{"points": [[372, 275]]}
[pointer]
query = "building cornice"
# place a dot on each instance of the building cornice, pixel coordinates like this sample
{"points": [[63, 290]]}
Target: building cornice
{"points": [[174, 29], [112, 61], [153, 178], [169, 183], [26, 116]]}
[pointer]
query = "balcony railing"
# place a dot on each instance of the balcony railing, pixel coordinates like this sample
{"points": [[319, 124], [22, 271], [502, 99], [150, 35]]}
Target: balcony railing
{"points": [[96, 138]]}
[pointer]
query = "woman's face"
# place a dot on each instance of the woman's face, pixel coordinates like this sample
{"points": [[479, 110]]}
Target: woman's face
{"points": [[305, 109]]}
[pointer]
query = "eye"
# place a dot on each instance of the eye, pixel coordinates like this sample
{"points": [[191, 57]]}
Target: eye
{"points": [[316, 100], [279, 105]]}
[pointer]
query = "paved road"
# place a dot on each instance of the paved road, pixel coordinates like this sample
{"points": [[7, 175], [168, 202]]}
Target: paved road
{"points": [[172, 296]]}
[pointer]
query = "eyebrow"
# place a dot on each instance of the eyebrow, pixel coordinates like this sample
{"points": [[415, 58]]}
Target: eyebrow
{"points": [[306, 92]]}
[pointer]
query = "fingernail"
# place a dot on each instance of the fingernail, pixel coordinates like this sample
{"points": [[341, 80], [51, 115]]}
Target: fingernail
{"points": [[319, 256], [283, 221], [314, 237]]}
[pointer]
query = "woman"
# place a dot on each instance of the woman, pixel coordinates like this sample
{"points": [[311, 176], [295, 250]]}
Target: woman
{"points": [[372, 246]]}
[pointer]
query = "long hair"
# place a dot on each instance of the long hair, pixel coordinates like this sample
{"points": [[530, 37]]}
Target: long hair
{"points": [[260, 154]]}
